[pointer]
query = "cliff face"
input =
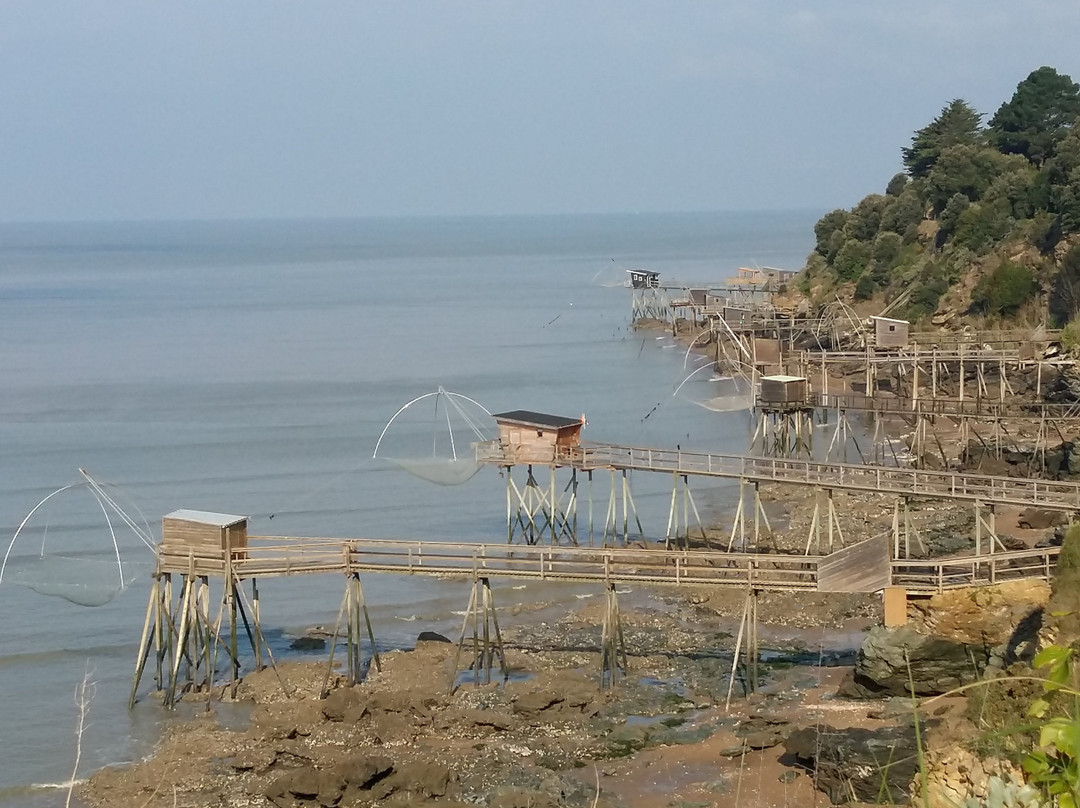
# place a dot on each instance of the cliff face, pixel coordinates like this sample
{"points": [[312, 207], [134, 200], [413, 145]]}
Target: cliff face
{"points": [[983, 226]]}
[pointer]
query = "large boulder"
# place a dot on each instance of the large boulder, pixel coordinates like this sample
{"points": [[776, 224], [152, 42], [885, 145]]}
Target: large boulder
{"points": [[893, 661], [858, 764]]}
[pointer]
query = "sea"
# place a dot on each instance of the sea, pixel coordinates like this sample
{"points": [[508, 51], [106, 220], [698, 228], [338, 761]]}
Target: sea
{"points": [[252, 367]]}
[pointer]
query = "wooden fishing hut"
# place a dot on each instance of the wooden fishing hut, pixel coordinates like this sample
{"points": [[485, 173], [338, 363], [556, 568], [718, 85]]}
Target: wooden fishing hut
{"points": [[644, 279], [536, 513], [785, 409], [649, 300], [203, 535], [890, 333], [535, 437]]}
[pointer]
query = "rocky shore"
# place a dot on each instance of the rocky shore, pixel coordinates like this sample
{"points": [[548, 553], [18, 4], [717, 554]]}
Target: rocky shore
{"points": [[550, 736]]}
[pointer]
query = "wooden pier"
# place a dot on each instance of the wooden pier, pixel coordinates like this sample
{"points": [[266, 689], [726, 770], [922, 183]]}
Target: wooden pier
{"points": [[905, 482]]}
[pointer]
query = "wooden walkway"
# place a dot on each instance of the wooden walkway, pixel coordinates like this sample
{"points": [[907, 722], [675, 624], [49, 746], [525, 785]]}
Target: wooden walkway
{"points": [[863, 567], [978, 407], [904, 482]]}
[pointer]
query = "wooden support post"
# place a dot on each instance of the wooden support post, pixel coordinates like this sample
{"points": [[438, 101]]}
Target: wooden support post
{"points": [[144, 642], [612, 643], [256, 618]]}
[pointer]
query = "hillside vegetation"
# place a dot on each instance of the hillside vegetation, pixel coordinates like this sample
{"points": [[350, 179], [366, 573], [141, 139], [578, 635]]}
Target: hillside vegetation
{"points": [[984, 224]]}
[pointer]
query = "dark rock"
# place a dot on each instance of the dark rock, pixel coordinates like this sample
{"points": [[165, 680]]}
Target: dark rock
{"points": [[1039, 519], [308, 644], [345, 704], [364, 771], [867, 765], [537, 702], [431, 636], [511, 797], [422, 778], [256, 759], [892, 661], [762, 732], [627, 739], [488, 718]]}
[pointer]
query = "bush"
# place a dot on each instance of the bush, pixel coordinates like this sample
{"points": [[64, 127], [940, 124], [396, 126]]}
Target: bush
{"points": [[926, 291], [982, 225], [851, 260], [1004, 290], [865, 288]]}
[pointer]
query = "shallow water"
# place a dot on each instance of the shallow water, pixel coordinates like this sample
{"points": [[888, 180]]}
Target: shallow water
{"points": [[249, 368]]}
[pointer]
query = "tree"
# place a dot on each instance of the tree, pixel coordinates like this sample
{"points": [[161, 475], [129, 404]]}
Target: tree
{"points": [[966, 170], [828, 224], [1060, 181], [1004, 290], [896, 185], [1065, 301], [1039, 114], [865, 218], [957, 125]]}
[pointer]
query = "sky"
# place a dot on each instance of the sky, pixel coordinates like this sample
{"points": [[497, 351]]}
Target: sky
{"points": [[251, 109]]}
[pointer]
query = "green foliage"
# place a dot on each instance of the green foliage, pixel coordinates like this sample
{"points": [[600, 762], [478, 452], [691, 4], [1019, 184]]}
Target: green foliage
{"points": [[958, 124], [1004, 290], [971, 196], [827, 226], [903, 214], [926, 291], [865, 288], [851, 260], [1065, 301], [1054, 765], [965, 170], [954, 209], [1070, 337], [865, 218], [1015, 190], [1061, 183], [896, 185], [982, 225], [1039, 114], [886, 249]]}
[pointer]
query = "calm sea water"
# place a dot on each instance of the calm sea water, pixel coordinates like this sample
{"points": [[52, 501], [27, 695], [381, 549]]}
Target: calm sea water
{"points": [[249, 368]]}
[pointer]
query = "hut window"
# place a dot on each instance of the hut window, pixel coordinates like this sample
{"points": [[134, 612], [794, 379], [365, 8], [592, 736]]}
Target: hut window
{"points": [[892, 328], [539, 433]]}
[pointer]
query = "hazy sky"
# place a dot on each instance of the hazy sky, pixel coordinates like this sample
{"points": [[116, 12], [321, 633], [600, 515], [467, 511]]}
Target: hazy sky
{"points": [[118, 109]]}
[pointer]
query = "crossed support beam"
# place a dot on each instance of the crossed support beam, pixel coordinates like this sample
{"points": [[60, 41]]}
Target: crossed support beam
{"points": [[487, 644], [546, 514], [784, 432], [760, 524], [746, 645], [678, 524], [354, 613], [185, 640]]}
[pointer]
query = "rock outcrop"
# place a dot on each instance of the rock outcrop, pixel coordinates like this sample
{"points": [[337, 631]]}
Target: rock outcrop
{"points": [[953, 639], [858, 764]]}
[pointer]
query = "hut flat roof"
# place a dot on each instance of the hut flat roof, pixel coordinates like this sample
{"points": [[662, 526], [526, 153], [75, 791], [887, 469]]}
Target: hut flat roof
{"points": [[888, 319], [529, 418], [206, 518], [783, 378]]}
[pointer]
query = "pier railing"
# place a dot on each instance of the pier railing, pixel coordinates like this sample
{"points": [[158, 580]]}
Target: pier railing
{"points": [[278, 556], [989, 490], [974, 407], [938, 574]]}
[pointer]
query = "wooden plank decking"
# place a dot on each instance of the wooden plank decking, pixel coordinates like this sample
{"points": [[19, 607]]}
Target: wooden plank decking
{"points": [[864, 567], [946, 485]]}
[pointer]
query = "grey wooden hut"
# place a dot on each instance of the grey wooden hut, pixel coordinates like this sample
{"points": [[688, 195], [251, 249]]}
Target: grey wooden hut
{"points": [[536, 437], [783, 390], [644, 279], [203, 533], [890, 333]]}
